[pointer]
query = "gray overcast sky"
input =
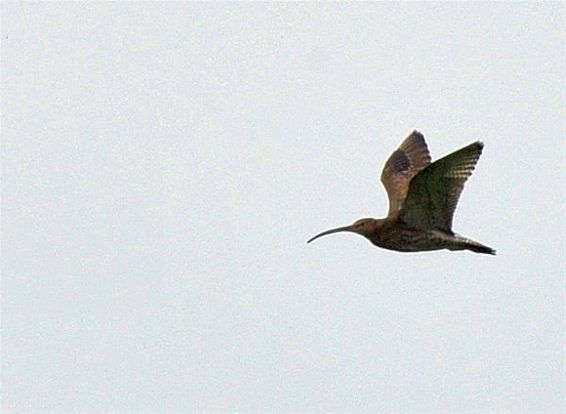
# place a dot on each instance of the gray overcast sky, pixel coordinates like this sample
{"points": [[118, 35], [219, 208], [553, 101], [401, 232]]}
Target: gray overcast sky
{"points": [[164, 163]]}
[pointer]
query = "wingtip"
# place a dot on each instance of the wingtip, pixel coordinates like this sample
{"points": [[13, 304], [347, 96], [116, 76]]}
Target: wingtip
{"points": [[415, 137], [475, 147]]}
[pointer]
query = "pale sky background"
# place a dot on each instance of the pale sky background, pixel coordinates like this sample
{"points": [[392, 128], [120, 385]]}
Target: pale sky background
{"points": [[163, 165]]}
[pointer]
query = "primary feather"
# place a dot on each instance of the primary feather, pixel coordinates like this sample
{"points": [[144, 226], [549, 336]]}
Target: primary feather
{"points": [[404, 164], [434, 192]]}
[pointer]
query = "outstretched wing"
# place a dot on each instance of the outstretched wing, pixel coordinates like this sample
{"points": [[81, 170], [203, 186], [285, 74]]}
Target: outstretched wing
{"points": [[434, 192], [405, 162]]}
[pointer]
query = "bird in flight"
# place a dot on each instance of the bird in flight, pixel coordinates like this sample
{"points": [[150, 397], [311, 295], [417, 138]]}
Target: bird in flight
{"points": [[422, 199]]}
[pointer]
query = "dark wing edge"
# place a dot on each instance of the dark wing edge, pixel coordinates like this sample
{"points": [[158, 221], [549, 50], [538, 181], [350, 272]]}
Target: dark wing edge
{"points": [[434, 193], [400, 168]]}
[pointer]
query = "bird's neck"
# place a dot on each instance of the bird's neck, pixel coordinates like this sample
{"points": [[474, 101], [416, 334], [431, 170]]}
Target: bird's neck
{"points": [[377, 225]]}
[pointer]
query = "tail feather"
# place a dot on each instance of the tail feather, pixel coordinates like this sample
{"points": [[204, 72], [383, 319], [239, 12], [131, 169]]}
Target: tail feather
{"points": [[462, 243], [480, 248]]}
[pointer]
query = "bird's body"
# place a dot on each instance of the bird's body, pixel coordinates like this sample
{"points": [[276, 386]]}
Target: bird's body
{"points": [[422, 200], [399, 236]]}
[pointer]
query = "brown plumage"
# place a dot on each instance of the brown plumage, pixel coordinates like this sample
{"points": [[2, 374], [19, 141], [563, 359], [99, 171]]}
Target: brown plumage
{"points": [[422, 200]]}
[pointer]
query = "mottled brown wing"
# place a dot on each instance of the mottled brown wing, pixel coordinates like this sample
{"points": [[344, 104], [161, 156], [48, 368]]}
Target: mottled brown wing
{"points": [[405, 162], [434, 192]]}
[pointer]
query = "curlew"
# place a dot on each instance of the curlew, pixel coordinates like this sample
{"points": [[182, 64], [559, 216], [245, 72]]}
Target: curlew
{"points": [[422, 200]]}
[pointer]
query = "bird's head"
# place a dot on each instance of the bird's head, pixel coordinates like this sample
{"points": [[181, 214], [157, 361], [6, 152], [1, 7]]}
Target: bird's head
{"points": [[363, 227]]}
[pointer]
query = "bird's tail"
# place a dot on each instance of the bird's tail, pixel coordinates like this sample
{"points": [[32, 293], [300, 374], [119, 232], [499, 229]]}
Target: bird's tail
{"points": [[476, 247]]}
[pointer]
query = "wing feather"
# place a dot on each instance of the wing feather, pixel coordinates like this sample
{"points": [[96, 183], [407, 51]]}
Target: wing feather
{"points": [[405, 162], [434, 192]]}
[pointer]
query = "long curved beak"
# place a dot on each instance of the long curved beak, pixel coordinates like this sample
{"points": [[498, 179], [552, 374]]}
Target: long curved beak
{"points": [[336, 230]]}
